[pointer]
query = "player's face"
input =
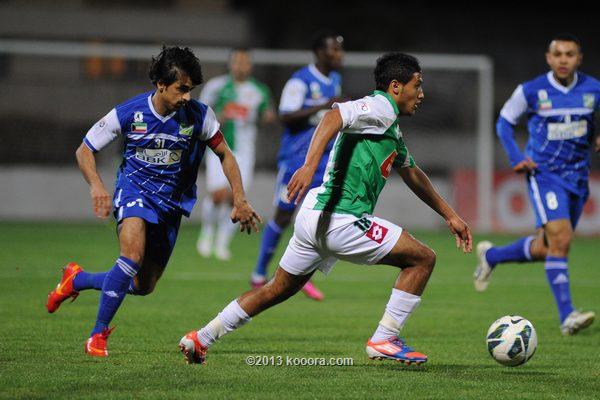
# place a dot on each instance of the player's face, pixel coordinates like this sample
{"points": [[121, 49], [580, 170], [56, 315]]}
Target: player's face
{"points": [[411, 95], [564, 58], [177, 94], [240, 65], [333, 53]]}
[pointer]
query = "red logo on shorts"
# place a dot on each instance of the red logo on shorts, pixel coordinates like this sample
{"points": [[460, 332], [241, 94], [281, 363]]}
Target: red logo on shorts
{"points": [[377, 232]]}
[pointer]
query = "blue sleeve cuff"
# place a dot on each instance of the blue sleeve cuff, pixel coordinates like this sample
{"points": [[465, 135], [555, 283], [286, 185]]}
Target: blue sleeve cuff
{"points": [[505, 131], [89, 145]]}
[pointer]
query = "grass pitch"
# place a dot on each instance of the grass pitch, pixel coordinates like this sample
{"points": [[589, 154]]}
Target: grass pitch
{"points": [[41, 355]]}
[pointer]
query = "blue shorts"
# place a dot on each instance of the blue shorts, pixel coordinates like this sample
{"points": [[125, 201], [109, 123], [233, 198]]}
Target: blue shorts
{"points": [[551, 201], [284, 175], [161, 228]]}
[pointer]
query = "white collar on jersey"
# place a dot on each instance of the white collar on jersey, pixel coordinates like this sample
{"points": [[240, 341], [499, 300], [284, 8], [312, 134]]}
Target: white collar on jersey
{"points": [[558, 86], [315, 71], [157, 115]]}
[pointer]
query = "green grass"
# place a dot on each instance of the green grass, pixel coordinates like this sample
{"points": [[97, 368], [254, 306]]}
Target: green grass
{"points": [[41, 355]]}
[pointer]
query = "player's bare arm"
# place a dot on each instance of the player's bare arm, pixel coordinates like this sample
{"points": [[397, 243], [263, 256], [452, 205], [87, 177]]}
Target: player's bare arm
{"points": [[100, 198], [242, 210], [421, 185], [300, 116], [527, 165], [329, 126]]}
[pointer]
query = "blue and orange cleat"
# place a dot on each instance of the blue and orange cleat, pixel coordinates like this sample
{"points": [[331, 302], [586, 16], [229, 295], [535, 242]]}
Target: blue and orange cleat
{"points": [[64, 289], [97, 343], [394, 349], [191, 348]]}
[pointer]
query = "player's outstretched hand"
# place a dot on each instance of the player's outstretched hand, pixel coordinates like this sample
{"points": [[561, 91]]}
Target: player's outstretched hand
{"points": [[299, 184], [100, 201], [244, 214], [527, 165], [461, 232]]}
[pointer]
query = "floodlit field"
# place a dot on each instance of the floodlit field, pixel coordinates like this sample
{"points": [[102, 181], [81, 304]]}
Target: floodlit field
{"points": [[41, 355]]}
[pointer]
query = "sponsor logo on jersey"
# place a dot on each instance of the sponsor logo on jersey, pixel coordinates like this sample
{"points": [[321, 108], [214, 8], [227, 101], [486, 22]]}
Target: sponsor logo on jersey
{"points": [[186, 130], [386, 165], [567, 130], [158, 156], [139, 127], [544, 103], [377, 232], [589, 100]]}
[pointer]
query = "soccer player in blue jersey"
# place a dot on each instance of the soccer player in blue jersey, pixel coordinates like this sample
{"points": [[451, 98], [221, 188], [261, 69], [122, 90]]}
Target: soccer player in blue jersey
{"points": [[306, 97], [560, 106], [165, 134]]}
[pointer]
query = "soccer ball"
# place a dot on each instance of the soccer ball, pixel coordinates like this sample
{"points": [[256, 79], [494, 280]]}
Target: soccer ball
{"points": [[511, 340]]}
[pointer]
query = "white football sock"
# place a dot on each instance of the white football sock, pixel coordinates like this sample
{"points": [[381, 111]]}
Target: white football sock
{"points": [[226, 228], [232, 317], [209, 217], [397, 310]]}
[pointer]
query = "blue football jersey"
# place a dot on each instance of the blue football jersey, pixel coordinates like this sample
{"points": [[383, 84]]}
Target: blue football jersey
{"points": [[560, 125], [161, 154], [307, 87]]}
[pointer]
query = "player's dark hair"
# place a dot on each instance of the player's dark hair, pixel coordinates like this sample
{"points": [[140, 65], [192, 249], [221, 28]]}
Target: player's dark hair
{"points": [[320, 40], [567, 37], [398, 66], [171, 62]]}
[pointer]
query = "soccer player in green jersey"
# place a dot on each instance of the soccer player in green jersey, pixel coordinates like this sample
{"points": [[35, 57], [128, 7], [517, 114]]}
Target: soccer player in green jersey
{"points": [[336, 221], [240, 103]]}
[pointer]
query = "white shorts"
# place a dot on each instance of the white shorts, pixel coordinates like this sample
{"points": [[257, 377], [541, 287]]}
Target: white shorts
{"points": [[216, 179], [320, 239]]}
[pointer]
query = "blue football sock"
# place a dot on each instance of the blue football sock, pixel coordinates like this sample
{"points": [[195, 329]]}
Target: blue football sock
{"points": [[557, 273], [517, 251], [114, 289], [87, 280], [268, 245]]}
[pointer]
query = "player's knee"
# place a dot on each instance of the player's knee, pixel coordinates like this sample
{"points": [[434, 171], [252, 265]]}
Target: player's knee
{"points": [[560, 242], [429, 259]]}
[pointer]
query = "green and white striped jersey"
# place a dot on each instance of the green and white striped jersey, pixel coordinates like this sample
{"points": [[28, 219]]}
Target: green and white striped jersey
{"points": [[238, 107], [368, 146]]}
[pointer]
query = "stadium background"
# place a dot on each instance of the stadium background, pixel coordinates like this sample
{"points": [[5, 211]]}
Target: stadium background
{"points": [[51, 100]]}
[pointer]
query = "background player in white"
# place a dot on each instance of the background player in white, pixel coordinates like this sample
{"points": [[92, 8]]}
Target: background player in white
{"points": [[240, 103], [336, 221]]}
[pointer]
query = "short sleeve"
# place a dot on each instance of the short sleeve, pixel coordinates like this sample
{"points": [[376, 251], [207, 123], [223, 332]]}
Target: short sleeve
{"points": [[210, 126], [515, 107], [209, 92], [403, 159], [103, 132], [366, 116], [293, 95]]}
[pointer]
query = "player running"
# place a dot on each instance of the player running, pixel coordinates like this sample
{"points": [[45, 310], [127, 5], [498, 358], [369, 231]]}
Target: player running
{"points": [[560, 106], [306, 97], [165, 135], [336, 221], [240, 102]]}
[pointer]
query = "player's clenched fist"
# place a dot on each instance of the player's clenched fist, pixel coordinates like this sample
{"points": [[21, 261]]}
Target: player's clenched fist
{"points": [[100, 201], [244, 214]]}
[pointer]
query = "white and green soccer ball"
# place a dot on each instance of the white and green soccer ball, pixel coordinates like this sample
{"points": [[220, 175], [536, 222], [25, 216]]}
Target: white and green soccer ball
{"points": [[511, 340]]}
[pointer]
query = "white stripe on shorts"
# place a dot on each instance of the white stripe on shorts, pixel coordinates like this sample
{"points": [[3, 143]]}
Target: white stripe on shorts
{"points": [[538, 200]]}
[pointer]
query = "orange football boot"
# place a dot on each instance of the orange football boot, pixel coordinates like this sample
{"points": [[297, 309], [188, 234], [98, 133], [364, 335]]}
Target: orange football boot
{"points": [[96, 345], [64, 289], [193, 351]]}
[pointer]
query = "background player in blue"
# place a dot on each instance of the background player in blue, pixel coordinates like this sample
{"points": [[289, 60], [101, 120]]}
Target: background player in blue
{"points": [[560, 106], [165, 135], [306, 97]]}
